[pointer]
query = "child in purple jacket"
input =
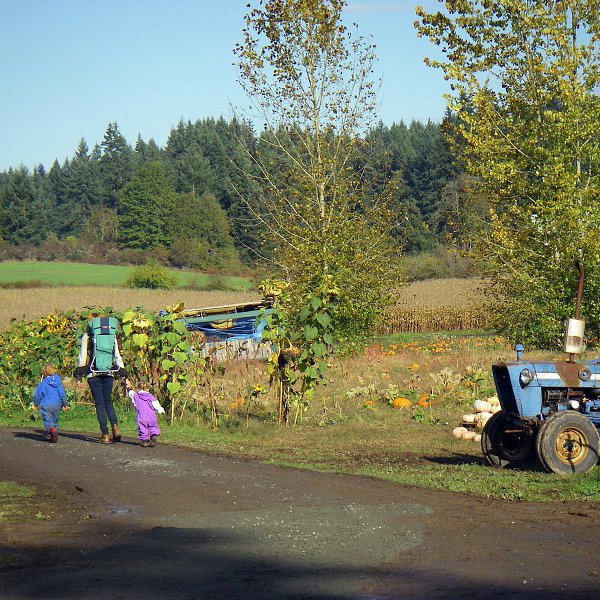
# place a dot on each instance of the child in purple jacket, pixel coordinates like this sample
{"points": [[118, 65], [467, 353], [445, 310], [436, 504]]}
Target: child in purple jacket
{"points": [[146, 407], [50, 397]]}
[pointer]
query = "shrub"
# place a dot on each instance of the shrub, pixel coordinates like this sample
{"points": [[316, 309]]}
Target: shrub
{"points": [[189, 253], [216, 284], [152, 276]]}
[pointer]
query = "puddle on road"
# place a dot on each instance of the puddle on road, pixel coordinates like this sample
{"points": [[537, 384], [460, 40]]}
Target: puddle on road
{"points": [[121, 510]]}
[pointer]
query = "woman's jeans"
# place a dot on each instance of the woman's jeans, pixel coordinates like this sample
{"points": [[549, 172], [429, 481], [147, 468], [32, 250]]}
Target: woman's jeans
{"points": [[101, 387]]}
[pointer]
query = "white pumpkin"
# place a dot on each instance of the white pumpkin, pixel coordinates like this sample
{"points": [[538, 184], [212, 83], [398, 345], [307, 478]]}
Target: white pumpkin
{"points": [[482, 416], [495, 408], [470, 435], [493, 400], [477, 437], [482, 419], [458, 432], [481, 406], [469, 418]]}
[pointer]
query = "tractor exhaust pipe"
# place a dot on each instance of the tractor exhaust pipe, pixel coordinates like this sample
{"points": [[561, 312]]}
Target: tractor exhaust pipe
{"points": [[574, 335], [579, 289]]}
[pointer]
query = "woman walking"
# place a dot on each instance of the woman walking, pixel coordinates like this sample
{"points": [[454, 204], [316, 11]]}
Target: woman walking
{"points": [[100, 362]]}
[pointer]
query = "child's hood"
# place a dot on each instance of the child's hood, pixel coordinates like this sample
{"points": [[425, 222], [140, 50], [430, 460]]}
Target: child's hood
{"points": [[145, 396], [52, 380]]}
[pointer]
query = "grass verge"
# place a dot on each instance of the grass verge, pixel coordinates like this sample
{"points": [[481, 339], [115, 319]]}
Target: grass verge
{"points": [[15, 499]]}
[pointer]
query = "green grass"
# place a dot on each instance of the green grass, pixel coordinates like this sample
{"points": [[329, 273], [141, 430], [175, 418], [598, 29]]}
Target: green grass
{"points": [[82, 274], [14, 499], [531, 484]]}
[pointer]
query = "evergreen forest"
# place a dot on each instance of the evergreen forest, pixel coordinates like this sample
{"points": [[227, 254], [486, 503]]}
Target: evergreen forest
{"points": [[189, 204]]}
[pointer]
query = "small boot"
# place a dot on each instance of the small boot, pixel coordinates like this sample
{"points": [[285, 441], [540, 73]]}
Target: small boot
{"points": [[153, 440], [116, 434], [105, 438], [53, 435]]}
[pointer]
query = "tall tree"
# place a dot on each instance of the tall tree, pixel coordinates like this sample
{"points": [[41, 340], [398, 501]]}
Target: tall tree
{"points": [[461, 214], [429, 167], [56, 181], [145, 205], [146, 152], [116, 164], [387, 163], [310, 80], [21, 220], [525, 77], [82, 191], [189, 168]]}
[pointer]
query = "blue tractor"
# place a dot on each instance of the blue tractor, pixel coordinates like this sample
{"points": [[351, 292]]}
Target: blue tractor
{"points": [[550, 410]]}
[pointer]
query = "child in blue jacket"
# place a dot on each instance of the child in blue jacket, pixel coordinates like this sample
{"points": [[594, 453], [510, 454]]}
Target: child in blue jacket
{"points": [[50, 397]]}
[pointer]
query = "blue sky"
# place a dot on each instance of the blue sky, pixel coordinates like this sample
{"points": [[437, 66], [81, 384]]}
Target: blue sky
{"points": [[70, 67]]}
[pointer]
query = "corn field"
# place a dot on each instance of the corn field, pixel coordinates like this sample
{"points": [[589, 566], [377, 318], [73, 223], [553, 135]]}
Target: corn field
{"points": [[415, 319], [439, 305]]}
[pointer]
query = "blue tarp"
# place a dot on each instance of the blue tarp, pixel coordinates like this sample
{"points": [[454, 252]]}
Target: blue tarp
{"points": [[242, 328]]}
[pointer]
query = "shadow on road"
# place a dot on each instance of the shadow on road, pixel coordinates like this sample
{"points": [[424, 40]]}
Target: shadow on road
{"points": [[455, 459], [167, 562], [37, 435], [40, 435]]}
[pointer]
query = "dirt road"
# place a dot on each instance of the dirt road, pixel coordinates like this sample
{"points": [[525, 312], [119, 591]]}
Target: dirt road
{"points": [[160, 523]]}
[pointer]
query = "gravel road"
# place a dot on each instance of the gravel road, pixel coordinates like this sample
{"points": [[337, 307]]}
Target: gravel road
{"points": [[166, 522]]}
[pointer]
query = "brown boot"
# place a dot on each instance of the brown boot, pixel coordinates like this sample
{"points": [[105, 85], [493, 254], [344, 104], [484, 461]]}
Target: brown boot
{"points": [[116, 433], [104, 438]]}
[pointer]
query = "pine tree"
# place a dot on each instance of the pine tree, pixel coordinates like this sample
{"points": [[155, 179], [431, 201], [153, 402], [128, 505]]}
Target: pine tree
{"points": [[146, 204], [116, 164], [81, 193], [21, 219]]}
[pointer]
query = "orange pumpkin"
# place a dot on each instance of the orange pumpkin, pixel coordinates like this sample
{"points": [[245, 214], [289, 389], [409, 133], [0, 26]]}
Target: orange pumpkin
{"points": [[424, 401], [401, 403]]}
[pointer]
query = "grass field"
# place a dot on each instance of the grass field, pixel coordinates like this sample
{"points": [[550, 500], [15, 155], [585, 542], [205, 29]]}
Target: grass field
{"points": [[443, 292], [81, 274], [29, 290]]}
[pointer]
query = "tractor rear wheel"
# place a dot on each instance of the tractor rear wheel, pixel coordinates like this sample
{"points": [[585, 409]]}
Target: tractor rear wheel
{"points": [[568, 443], [506, 441]]}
